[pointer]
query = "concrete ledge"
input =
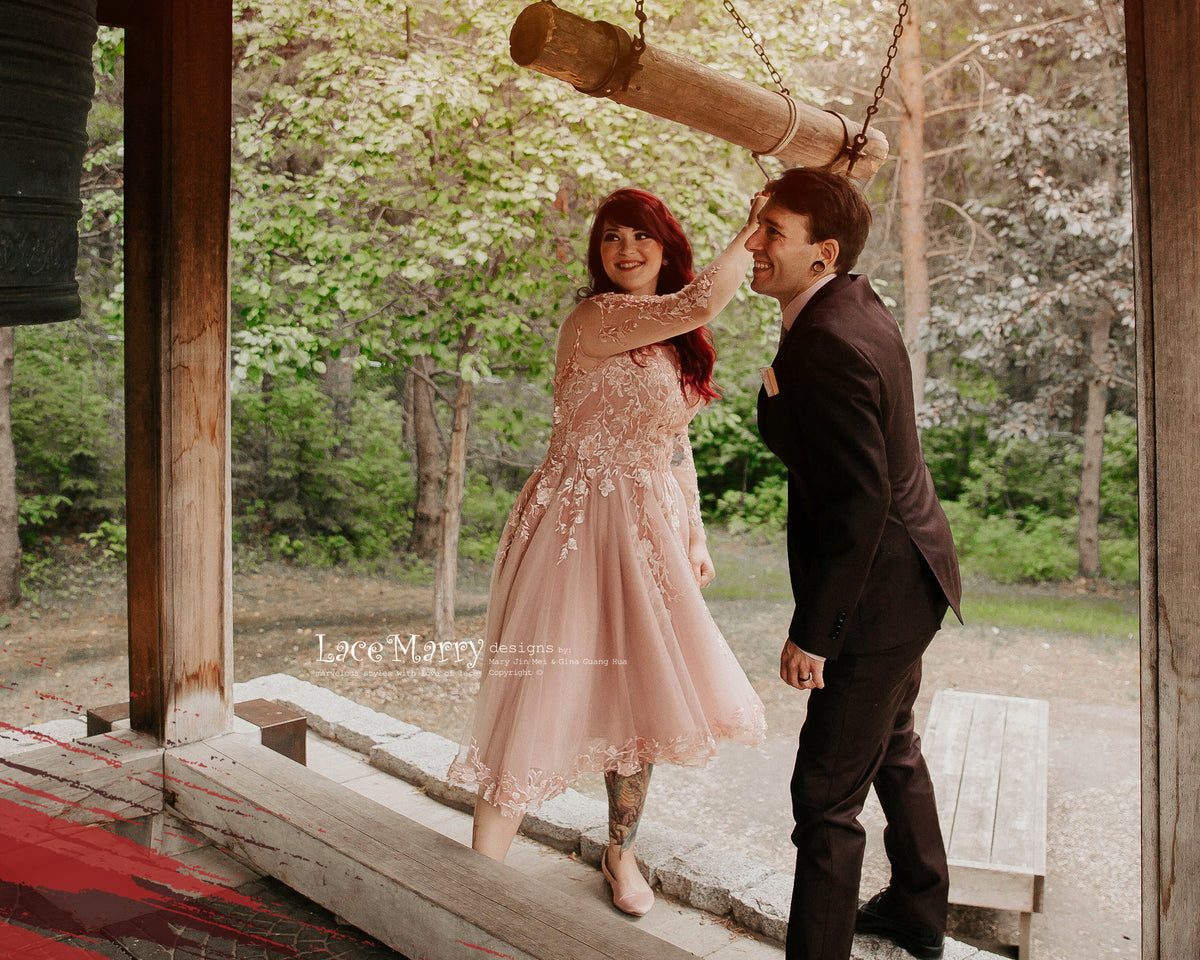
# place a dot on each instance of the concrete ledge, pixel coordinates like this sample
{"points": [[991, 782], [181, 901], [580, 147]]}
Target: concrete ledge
{"points": [[417, 759], [562, 821], [764, 907], [656, 847], [706, 878]]}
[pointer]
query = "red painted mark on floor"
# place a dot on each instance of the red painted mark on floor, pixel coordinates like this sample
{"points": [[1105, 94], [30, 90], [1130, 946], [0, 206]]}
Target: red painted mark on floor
{"points": [[486, 950], [59, 877]]}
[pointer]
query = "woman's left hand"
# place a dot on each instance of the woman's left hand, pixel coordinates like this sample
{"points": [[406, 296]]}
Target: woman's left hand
{"points": [[702, 565]]}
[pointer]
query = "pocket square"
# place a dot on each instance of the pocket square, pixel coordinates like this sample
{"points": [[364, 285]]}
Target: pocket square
{"points": [[769, 381]]}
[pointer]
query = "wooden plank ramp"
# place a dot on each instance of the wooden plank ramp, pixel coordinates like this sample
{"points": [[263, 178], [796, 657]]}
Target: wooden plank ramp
{"points": [[405, 884]]}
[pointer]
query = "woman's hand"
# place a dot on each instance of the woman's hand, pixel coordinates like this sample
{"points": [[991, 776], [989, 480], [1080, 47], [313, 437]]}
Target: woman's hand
{"points": [[757, 202], [702, 565]]}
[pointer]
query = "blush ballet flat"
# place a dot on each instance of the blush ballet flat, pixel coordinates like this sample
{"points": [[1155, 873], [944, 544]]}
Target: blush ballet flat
{"points": [[636, 903]]}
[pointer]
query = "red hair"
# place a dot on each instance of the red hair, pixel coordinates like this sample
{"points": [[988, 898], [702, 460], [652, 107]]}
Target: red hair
{"points": [[640, 210]]}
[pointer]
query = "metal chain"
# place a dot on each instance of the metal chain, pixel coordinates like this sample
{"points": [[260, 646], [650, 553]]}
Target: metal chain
{"points": [[639, 42], [860, 139], [758, 47]]}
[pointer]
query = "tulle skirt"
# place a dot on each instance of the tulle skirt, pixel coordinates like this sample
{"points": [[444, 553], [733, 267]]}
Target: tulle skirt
{"points": [[600, 653]]}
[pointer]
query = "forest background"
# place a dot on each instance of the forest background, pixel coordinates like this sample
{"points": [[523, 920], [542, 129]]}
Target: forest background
{"points": [[409, 223]]}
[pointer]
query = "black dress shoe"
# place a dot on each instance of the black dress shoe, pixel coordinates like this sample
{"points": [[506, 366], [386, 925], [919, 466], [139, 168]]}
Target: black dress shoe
{"points": [[873, 920]]}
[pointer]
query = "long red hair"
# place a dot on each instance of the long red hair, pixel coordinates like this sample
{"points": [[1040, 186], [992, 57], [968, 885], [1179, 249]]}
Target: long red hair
{"points": [[640, 210]]}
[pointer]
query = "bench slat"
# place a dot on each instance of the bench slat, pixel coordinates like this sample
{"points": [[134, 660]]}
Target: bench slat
{"points": [[975, 818], [1021, 805], [944, 746]]}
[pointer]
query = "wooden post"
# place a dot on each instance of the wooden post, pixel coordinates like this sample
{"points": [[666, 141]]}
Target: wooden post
{"points": [[584, 53], [1162, 37], [177, 154]]}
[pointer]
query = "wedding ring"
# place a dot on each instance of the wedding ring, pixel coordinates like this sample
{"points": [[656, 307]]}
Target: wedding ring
{"points": [[806, 679]]}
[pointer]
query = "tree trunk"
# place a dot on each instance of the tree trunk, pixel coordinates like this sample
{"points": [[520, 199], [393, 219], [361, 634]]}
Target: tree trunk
{"points": [[912, 195], [426, 517], [10, 541], [445, 581], [1097, 387], [1093, 444], [339, 385]]}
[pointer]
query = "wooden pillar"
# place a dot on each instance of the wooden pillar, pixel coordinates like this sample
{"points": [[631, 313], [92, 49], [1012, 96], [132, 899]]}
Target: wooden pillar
{"points": [[177, 161], [1164, 75]]}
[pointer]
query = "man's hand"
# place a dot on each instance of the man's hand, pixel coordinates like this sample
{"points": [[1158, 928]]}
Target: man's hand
{"points": [[702, 565], [797, 669]]}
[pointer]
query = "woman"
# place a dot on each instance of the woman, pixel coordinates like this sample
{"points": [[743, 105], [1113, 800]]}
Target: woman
{"points": [[601, 654]]}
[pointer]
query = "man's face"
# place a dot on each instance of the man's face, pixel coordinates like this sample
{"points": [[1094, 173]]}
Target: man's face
{"points": [[784, 254]]}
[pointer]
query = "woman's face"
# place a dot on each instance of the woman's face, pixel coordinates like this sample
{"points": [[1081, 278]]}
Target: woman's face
{"points": [[631, 257]]}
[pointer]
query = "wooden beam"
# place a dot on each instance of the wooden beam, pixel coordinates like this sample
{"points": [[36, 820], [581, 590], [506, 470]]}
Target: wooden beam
{"points": [[178, 121], [417, 891], [1162, 37], [582, 52], [103, 778]]}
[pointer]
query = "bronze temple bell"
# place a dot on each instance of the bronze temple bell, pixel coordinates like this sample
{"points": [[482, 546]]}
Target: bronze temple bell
{"points": [[46, 89]]}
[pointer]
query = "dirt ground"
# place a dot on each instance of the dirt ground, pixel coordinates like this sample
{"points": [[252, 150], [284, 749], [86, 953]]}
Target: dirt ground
{"points": [[66, 653]]}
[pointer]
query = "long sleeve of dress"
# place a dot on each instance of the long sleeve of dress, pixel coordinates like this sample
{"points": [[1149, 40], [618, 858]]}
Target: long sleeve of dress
{"points": [[613, 323], [683, 466]]}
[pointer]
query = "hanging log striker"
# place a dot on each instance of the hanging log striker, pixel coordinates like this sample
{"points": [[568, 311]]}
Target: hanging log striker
{"points": [[590, 57], [46, 90]]}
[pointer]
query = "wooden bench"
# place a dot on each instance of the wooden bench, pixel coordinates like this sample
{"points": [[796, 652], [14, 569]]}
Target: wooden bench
{"points": [[987, 756]]}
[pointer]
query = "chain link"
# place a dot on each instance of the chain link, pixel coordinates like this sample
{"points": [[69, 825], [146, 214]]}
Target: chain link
{"points": [[860, 139], [639, 42], [758, 47]]}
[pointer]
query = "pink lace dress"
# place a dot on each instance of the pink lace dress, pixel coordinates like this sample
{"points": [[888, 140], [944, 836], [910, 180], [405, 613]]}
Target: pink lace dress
{"points": [[600, 652]]}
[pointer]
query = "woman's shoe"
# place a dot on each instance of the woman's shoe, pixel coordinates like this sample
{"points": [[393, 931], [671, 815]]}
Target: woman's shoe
{"points": [[636, 903]]}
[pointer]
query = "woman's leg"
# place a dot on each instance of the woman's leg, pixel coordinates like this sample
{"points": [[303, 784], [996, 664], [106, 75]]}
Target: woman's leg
{"points": [[493, 831], [626, 798]]}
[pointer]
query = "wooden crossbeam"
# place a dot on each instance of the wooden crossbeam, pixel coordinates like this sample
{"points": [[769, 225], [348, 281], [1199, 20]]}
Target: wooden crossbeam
{"points": [[588, 55]]}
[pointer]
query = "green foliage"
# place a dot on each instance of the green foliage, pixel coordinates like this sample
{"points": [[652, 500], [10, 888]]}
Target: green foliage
{"points": [[761, 510], [68, 420], [36, 510], [109, 539], [485, 508], [402, 189], [1119, 478], [311, 489]]}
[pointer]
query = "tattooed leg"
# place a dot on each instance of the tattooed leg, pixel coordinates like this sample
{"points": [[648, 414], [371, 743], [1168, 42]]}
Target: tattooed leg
{"points": [[626, 798]]}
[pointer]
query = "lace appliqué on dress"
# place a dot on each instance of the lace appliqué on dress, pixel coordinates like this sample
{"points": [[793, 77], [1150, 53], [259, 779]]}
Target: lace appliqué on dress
{"points": [[616, 428], [514, 795]]}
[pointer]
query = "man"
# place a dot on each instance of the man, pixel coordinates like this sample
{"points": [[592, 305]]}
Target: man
{"points": [[873, 569]]}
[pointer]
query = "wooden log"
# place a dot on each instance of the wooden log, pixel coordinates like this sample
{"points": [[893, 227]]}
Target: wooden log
{"points": [[588, 55]]}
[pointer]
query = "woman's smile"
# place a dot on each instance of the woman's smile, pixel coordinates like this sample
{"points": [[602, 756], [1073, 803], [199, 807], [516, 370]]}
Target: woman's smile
{"points": [[632, 258]]}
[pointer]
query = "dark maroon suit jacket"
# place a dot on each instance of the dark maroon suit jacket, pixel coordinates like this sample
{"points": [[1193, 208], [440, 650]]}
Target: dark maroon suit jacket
{"points": [[871, 557]]}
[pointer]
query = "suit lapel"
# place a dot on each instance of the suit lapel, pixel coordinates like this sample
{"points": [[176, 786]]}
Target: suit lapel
{"points": [[838, 284]]}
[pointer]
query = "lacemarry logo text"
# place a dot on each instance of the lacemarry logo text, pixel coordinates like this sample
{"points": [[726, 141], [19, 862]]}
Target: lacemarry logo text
{"points": [[399, 649]]}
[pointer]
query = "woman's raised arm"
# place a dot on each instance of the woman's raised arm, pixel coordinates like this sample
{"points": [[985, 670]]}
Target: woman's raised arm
{"points": [[613, 323]]}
